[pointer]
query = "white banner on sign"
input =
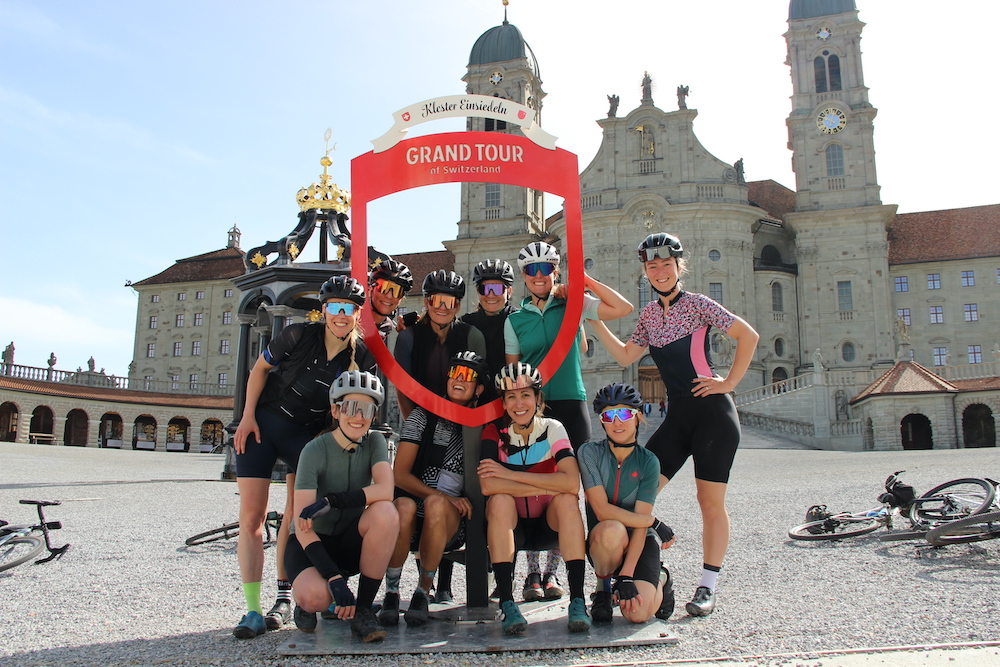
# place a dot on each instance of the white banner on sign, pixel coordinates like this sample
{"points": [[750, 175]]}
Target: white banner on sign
{"points": [[461, 106]]}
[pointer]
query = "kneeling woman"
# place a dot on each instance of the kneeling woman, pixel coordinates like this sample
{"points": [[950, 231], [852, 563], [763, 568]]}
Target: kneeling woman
{"points": [[528, 471], [620, 481], [344, 512]]}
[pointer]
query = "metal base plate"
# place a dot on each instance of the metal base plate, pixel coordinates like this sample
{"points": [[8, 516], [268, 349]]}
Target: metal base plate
{"points": [[453, 629]]}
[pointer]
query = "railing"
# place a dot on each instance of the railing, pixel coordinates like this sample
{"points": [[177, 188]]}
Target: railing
{"points": [[711, 191], [94, 379], [647, 166], [777, 424], [858, 379], [774, 389], [761, 265], [836, 183], [832, 95], [969, 371], [845, 428], [845, 315], [591, 201], [778, 317], [492, 214]]}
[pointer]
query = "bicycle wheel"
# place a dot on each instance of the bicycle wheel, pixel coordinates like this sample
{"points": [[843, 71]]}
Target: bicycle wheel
{"points": [[952, 500], [834, 528], [975, 528], [902, 535], [18, 550], [226, 532]]}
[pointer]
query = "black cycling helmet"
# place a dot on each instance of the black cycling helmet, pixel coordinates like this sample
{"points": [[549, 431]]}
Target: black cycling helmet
{"points": [[342, 288], [493, 269], [616, 394], [392, 270], [660, 245], [444, 282], [470, 359], [518, 375]]}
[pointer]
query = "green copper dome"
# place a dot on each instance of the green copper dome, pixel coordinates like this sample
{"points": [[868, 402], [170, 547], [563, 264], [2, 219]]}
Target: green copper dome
{"points": [[502, 43], [807, 9]]}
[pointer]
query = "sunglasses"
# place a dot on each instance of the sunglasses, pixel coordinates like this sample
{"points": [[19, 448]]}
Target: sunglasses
{"points": [[442, 301], [519, 382], [463, 373], [623, 415], [389, 287], [495, 289], [339, 307], [543, 268], [353, 407]]}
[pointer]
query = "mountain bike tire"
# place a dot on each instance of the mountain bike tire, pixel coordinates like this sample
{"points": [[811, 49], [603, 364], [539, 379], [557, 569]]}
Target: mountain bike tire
{"points": [[975, 528], [953, 500], [226, 532], [19, 550], [834, 528]]}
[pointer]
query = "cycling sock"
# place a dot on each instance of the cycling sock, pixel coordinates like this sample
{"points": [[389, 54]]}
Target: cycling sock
{"points": [[392, 575], [533, 565], [575, 572], [421, 573], [605, 584], [444, 575], [709, 575], [284, 591], [503, 574], [367, 588], [251, 592], [552, 563]]}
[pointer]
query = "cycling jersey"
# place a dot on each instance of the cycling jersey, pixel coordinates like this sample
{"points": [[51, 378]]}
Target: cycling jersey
{"points": [[634, 479]]}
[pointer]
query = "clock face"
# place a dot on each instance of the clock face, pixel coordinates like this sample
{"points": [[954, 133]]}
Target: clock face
{"points": [[831, 121], [496, 78], [823, 33]]}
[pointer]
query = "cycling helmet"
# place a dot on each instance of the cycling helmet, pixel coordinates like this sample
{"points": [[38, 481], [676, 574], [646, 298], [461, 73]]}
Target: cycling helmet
{"points": [[357, 382], [392, 270], [617, 394], [518, 375], [342, 288], [537, 252], [493, 269], [444, 282], [471, 360], [660, 245]]}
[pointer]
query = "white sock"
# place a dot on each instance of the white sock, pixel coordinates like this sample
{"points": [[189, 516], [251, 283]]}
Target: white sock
{"points": [[708, 579]]}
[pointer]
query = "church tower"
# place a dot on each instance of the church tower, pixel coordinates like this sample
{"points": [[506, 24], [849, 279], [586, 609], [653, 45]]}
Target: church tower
{"points": [[498, 220], [839, 221]]}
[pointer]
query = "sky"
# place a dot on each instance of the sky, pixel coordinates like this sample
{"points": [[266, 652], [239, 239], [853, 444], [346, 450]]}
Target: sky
{"points": [[133, 134]]}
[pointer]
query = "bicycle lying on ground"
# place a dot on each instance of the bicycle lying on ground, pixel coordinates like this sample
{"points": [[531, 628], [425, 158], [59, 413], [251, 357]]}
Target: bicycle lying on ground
{"points": [[975, 528], [19, 544], [230, 530], [943, 504]]}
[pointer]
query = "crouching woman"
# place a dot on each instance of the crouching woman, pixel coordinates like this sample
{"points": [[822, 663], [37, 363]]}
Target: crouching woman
{"points": [[345, 522]]}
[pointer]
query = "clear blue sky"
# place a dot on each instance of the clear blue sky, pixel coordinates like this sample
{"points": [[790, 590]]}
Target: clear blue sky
{"points": [[133, 134]]}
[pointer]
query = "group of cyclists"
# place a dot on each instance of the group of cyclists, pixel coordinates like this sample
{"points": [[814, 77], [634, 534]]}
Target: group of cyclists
{"points": [[314, 394]]}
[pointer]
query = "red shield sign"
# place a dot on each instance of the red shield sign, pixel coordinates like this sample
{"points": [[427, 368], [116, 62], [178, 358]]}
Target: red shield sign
{"points": [[467, 157]]}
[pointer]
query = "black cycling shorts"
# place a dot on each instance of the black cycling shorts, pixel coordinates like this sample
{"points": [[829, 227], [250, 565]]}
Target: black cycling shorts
{"points": [[280, 439], [707, 429], [574, 417], [648, 566], [535, 535], [344, 549]]}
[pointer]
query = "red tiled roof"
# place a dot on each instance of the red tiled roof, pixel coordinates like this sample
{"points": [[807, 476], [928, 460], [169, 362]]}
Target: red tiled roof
{"points": [[422, 263], [117, 395], [216, 265], [957, 233], [771, 196], [977, 384], [906, 377]]}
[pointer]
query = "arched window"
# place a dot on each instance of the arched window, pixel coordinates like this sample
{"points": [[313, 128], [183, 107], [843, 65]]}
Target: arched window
{"points": [[819, 67], [826, 69], [779, 347], [777, 298], [833, 67], [847, 351], [834, 160], [779, 374], [770, 255]]}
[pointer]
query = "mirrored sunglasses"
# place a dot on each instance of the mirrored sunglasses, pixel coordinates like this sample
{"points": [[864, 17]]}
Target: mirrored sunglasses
{"points": [[463, 373], [496, 289], [442, 301], [623, 415], [519, 382], [353, 407], [389, 287], [543, 268], [338, 307]]}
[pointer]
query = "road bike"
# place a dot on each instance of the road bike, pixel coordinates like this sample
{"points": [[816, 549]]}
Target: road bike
{"points": [[20, 544], [272, 522], [975, 528]]}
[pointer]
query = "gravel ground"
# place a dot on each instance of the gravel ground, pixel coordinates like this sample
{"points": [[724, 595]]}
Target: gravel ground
{"points": [[130, 593]]}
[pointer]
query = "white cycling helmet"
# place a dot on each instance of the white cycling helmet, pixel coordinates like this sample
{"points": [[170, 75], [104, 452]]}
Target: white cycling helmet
{"points": [[539, 251], [357, 382]]}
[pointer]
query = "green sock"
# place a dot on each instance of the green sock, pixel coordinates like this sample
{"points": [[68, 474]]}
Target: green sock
{"points": [[252, 593]]}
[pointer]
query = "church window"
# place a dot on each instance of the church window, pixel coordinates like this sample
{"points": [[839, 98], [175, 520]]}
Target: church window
{"points": [[150, 350], [902, 284], [968, 278], [779, 347], [198, 319], [940, 356], [933, 281], [224, 346], [833, 67], [492, 195], [826, 70], [819, 65], [848, 352], [588, 263], [493, 125], [714, 255], [904, 313], [152, 321], [834, 160], [937, 314], [195, 348], [227, 317], [178, 349], [845, 297], [179, 320], [715, 292], [971, 312], [975, 354], [777, 298]]}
